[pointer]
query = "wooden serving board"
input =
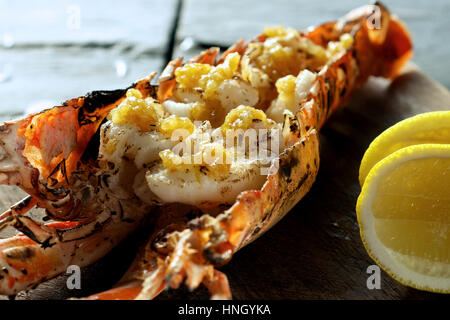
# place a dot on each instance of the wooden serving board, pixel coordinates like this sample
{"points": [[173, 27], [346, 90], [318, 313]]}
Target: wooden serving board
{"points": [[315, 252]]}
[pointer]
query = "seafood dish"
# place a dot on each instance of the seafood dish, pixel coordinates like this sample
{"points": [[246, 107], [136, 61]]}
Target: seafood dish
{"points": [[209, 156]]}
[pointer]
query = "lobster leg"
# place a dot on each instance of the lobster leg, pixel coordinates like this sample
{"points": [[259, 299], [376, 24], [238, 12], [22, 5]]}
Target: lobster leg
{"points": [[39, 233], [24, 262], [218, 286], [127, 291], [14, 217], [42, 234], [20, 208], [170, 258]]}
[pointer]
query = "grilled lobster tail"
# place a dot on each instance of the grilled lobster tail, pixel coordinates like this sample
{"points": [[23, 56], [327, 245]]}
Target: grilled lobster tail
{"points": [[102, 163], [191, 249]]}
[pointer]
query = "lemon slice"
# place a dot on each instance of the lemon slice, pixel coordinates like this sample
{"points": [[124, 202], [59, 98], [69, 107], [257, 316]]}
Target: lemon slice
{"points": [[404, 213], [430, 127]]}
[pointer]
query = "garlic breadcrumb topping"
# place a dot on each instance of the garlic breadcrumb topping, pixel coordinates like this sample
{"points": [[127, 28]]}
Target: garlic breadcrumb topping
{"points": [[134, 109]]}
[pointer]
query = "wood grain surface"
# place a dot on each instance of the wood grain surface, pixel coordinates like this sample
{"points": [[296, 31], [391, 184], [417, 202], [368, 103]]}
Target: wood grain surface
{"points": [[315, 252]]}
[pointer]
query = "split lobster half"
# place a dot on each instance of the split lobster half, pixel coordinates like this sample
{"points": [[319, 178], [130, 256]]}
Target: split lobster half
{"points": [[102, 164]]}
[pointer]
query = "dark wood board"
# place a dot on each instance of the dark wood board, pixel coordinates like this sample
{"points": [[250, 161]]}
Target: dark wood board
{"points": [[315, 252]]}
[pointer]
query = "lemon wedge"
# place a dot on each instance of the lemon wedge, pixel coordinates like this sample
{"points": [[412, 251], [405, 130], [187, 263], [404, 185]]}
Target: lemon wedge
{"points": [[430, 127], [404, 213]]}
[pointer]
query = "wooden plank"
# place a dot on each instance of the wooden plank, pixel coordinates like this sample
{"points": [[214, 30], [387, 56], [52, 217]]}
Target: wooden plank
{"points": [[315, 252], [46, 77], [31, 23], [215, 22], [51, 51]]}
